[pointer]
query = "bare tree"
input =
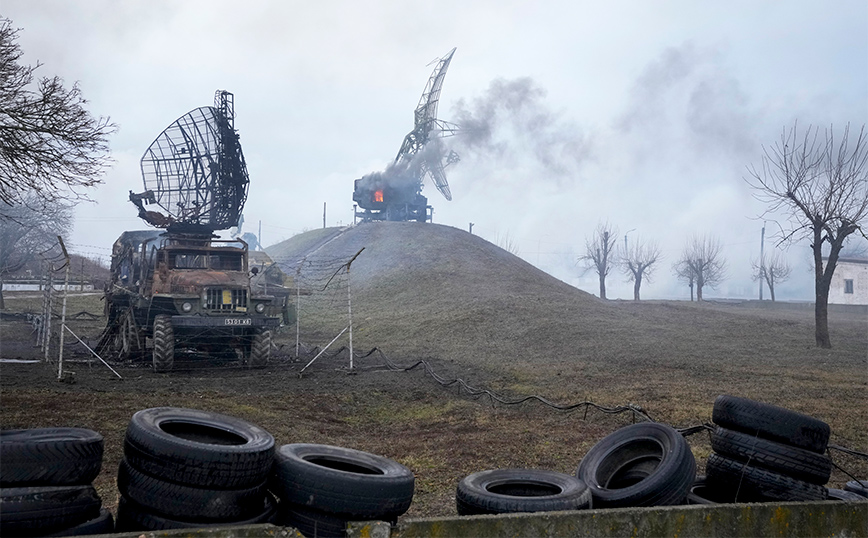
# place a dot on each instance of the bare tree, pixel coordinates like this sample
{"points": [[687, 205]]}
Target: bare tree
{"points": [[600, 253], [683, 272], [701, 264], [28, 230], [49, 143], [821, 185], [507, 243], [638, 263], [772, 270]]}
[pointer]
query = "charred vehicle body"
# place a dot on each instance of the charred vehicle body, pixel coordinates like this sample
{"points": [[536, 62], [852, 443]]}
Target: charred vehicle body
{"points": [[183, 287]]}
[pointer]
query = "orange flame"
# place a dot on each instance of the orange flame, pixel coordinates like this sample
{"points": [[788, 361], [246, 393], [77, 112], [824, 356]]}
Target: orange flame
{"points": [[378, 196]]}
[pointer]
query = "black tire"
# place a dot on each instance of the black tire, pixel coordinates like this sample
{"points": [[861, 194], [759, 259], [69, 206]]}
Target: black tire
{"points": [[778, 457], [843, 495], [310, 522], [645, 464], [771, 422], [260, 349], [505, 491], [342, 481], [49, 456], [164, 343], [187, 502], [859, 487], [703, 492], [36, 511], [756, 484], [132, 517], [198, 448], [104, 523]]}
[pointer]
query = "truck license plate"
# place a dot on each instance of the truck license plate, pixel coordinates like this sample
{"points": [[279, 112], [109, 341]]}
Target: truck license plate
{"points": [[237, 321]]}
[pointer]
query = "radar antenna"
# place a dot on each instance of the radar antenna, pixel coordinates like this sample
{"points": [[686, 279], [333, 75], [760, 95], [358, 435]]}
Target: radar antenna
{"points": [[195, 171], [428, 127]]}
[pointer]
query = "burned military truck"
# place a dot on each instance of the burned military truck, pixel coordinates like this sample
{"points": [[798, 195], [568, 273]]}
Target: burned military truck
{"points": [[182, 286]]}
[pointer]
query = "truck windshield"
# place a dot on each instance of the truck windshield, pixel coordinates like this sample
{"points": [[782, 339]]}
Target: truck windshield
{"points": [[204, 260]]}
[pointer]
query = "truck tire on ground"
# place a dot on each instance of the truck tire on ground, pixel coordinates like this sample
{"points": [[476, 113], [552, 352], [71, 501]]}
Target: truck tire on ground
{"points": [[104, 523], [132, 517], [859, 487], [503, 491], [198, 448], [164, 343], [40, 510], [771, 422], [844, 495], [187, 502], [49, 456], [342, 481], [645, 464], [785, 459], [311, 522], [260, 349], [756, 484]]}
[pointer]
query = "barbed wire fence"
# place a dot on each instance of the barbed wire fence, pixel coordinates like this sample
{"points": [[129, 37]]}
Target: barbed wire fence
{"points": [[323, 303], [56, 261]]}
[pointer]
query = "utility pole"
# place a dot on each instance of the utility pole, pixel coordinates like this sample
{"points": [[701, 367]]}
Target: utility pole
{"points": [[625, 240], [323, 214], [762, 261], [471, 228]]}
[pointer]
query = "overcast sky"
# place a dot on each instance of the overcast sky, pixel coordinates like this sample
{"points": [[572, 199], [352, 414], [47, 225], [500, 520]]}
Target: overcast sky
{"points": [[641, 113]]}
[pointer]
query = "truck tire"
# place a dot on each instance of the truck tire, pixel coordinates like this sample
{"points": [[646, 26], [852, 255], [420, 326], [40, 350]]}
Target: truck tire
{"points": [[756, 484], [342, 481], [187, 502], [771, 422], [104, 523], [844, 495], [132, 517], [778, 457], [49, 456], [504, 491], [198, 448], [311, 522], [164, 343], [36, 511], [260, 349], [859, 487], [645, 464]]}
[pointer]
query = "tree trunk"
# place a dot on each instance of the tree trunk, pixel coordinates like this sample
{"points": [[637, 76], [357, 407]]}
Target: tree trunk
{"points": [[637, 282], [602, 284], [821, 315], [691, 292]]}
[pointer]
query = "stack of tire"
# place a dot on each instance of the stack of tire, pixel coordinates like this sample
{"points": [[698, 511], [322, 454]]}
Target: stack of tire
{"points": [[46, 483], [763, 453], [322, 487], [186, 468], [645, 464]]}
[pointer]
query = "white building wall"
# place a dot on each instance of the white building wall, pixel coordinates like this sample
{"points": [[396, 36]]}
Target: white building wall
{"points": [[855, 270]]}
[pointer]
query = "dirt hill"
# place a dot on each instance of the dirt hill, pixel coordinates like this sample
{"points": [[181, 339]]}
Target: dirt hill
{"points": [[433, 291]]}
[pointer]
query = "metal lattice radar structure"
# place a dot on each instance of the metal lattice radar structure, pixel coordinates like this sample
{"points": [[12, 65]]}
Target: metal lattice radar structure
{"points": [[426, 124], [396, 194], [195, 172]]}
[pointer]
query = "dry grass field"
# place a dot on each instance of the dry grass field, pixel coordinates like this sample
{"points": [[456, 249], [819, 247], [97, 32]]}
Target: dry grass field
{"points": [[475, 312]]}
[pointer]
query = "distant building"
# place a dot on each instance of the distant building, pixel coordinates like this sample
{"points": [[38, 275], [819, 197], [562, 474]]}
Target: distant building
{"points": [[850, 282]]}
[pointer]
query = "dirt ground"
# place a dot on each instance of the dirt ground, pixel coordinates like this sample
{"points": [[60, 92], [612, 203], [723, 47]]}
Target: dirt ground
{"points": [[443, 433]]}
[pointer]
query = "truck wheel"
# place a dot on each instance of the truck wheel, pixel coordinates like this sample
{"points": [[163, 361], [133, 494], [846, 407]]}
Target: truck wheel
{"points": [[127, 334], [260, 349], [164, 343]]}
